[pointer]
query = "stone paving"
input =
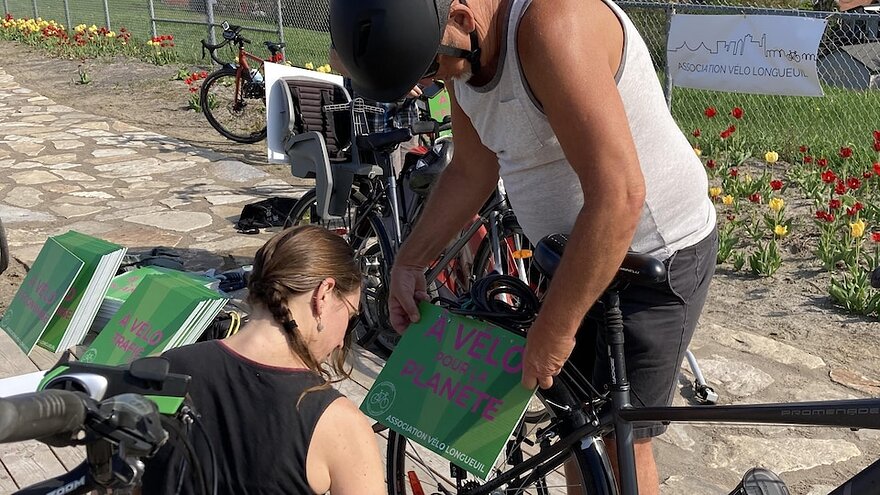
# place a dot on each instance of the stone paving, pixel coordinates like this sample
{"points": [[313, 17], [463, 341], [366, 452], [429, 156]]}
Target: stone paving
{"points": [[63, 169]]}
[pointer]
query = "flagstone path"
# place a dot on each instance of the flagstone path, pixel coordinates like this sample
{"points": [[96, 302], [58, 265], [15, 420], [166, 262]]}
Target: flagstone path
{"points": [[63, 169]]}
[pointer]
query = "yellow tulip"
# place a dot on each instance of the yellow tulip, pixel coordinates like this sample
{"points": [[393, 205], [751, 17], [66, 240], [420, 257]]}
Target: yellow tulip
{"points": [[776, 204], [858, 228], [714, 192], [309, 66], [728, 200], [698, 151], [780, 230], [771, 157], [80, 28], [111, 34]]}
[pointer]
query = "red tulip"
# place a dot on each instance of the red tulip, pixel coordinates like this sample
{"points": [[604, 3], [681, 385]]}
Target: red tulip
{"points": [[710, 163], [696, 133], [829, 176], [737, 113], [876, 168], [710, 112], [840, 187], [853, 183], [845, 152], [804, 149], [834, 204], [808, 159], [875, 236], [776, 184], [734, 172], [755, 197]]}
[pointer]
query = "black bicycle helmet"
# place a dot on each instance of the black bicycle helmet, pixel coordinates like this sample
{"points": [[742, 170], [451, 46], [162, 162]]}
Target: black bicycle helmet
{"points": [[387, 46]]}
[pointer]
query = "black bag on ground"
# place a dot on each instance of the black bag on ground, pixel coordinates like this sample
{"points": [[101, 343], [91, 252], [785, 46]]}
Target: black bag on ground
{"points": [[271, 212]]}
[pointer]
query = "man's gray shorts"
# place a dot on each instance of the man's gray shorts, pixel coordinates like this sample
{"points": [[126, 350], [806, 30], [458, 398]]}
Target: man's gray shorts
{"points": [[659, 322]]}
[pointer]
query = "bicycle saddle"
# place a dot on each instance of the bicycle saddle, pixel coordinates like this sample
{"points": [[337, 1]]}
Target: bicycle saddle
{"points": [[636, 268], [383, 141], [429, 167]]}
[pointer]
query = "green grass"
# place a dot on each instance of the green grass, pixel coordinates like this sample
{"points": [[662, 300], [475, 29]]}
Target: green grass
{"points": [[784, 123], [302, 45]]}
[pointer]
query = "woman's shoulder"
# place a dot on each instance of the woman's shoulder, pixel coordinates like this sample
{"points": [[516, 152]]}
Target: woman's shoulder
{"points": [[200, 354]]}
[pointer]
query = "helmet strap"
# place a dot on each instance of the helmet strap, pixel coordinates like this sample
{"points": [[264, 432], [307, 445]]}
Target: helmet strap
{"points": [[472, 55]]}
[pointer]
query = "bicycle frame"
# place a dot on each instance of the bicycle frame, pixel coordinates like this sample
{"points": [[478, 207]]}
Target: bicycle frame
{"points": [[618, 415]]}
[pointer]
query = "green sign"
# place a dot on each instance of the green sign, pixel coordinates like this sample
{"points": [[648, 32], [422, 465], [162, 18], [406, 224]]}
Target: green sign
{"points": [[162, 312], [41, 293], [452, 385]]}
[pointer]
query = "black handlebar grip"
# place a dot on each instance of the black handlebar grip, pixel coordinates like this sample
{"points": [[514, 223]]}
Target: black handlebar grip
{"points": [[41, 414]]}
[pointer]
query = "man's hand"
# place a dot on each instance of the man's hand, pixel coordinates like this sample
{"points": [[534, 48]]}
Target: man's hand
{"points": [[544, 356], [407, 289]]}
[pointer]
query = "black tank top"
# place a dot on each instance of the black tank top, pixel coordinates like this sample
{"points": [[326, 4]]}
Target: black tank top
{"points": [[259, 436]]}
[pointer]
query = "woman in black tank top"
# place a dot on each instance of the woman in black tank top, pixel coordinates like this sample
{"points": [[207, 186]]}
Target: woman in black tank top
{"points": [[264, 396]]}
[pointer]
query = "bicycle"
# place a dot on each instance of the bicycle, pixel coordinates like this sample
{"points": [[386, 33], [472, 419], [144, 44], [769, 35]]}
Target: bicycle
{"points": [[121, 415], [579, 416], [376, 210], [4, 249], [235, 94]]}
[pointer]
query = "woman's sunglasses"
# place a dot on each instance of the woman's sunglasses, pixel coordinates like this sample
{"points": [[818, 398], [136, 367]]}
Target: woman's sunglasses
{"points": [[354, 316]]}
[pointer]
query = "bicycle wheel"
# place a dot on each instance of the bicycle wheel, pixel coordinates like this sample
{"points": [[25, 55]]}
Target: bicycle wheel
{"points": [[4, 249], [305, 212], [412, 469], [372, 249], [236, 108]]}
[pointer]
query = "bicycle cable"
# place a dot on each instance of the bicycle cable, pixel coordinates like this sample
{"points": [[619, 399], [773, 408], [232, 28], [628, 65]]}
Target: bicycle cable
{"points": [[500, 299]]}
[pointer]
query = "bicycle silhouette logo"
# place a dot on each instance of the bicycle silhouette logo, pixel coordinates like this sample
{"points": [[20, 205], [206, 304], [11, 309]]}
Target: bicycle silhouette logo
{"points": [[381, 398]]}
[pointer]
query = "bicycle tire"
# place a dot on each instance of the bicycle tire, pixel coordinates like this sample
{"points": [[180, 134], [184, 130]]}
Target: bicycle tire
{"points": [[305, 212], [216, 101], [4, 249], [593, 472]]}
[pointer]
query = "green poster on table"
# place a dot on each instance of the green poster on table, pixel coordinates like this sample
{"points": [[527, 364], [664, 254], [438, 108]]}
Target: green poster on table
{"points": [[100, 261], [160, 313], [452, 385], [42, 291]]}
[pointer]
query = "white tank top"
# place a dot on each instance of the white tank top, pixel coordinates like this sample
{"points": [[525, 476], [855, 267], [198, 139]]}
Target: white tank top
{"points": [[544, 190]]}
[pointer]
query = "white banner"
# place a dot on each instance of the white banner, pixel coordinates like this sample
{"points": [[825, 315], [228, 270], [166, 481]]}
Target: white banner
{"points": [[760, 54]]}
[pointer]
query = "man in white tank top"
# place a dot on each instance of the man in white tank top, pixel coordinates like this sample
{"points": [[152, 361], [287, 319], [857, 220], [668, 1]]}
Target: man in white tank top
{"points": [[560, 99]]}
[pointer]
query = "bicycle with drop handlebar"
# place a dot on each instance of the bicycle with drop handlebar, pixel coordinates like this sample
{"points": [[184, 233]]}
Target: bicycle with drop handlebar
{"points": [[233, 98]]}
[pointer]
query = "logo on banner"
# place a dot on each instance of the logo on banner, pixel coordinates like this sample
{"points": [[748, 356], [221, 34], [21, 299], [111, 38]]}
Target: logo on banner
{"points": [[746, 54]]}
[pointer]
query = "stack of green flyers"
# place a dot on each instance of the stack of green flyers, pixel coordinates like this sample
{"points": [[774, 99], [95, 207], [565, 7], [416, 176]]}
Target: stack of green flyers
{"points": [[60, 295], [40, 294], [74, 317], [163, 312], [124, 284]]}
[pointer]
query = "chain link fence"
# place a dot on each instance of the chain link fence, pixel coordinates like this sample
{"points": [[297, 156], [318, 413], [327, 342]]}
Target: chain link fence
{"points": [[849, 70], [302, 24], [849, 56]]}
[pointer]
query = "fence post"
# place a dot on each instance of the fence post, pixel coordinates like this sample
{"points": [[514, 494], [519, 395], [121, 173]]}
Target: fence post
{"points": [[67, 15], [280, 25], [36, 12], [209, 12], [107, 14], [153, 19], [667, 79], [6, 7]]}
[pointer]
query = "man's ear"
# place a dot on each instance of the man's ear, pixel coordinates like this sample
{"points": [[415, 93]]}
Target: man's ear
{"points": [[462, 17]]}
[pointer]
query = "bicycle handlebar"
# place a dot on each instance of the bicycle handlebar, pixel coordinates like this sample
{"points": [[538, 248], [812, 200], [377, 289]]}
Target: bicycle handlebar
{"points": [[41, 414]]}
